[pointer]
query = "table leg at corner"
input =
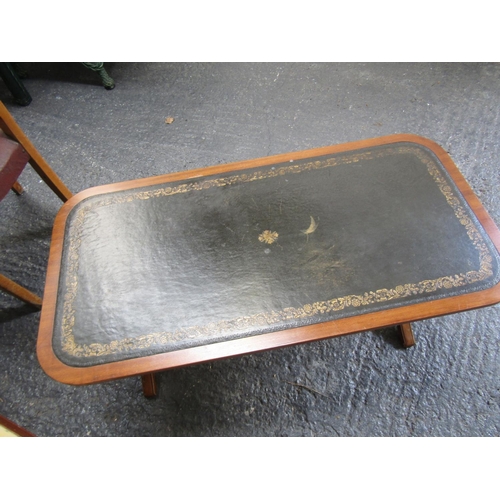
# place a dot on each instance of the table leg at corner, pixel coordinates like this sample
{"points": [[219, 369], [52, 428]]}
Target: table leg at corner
{"points": [[149, 386], [407, 334], [17, 188]]}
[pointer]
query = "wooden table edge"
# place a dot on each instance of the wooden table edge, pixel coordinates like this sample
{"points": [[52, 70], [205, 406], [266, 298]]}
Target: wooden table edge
{"points": [[259, 343]]}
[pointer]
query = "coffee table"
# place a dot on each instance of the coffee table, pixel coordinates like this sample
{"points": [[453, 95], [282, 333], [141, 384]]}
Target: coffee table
{"points": [[195, 266]]}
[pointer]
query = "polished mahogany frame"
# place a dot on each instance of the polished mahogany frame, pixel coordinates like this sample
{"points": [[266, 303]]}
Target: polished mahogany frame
{"points": [[401, 315]]}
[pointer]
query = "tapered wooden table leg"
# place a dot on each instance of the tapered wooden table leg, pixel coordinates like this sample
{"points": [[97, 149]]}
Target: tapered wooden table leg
{"points": [[407, 334], [149, 385], [17, 188]]}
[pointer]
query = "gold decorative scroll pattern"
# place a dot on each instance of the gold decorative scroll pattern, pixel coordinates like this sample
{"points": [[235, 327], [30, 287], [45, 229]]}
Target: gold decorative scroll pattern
{"points": [[265, 319]]}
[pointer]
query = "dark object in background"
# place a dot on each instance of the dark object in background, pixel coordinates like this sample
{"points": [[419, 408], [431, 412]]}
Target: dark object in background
{"points": [[13, 82], [11, 74]]}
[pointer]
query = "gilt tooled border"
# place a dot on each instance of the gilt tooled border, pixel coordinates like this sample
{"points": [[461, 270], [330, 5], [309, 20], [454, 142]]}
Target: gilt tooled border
{"points": [[70, 346]]}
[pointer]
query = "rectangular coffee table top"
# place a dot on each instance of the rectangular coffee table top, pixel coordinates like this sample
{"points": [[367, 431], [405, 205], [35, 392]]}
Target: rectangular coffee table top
{"points": [[200, 265]]}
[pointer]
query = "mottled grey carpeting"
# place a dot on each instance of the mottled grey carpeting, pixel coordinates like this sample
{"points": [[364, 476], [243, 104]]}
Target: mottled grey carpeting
{"points": [[360, 385]]}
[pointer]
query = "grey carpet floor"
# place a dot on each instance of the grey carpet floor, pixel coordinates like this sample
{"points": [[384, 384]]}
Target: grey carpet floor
{"points": [[360, 385]]}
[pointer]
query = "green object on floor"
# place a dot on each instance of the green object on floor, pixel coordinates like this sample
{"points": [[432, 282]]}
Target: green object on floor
{"points": [[98, 67], [12, 80]]}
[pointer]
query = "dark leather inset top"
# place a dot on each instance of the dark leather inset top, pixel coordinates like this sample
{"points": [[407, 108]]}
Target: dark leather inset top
{"points": [[183, 264]]}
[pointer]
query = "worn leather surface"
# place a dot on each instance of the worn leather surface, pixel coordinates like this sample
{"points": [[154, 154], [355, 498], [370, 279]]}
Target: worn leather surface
{"points": [[182, 264]]}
